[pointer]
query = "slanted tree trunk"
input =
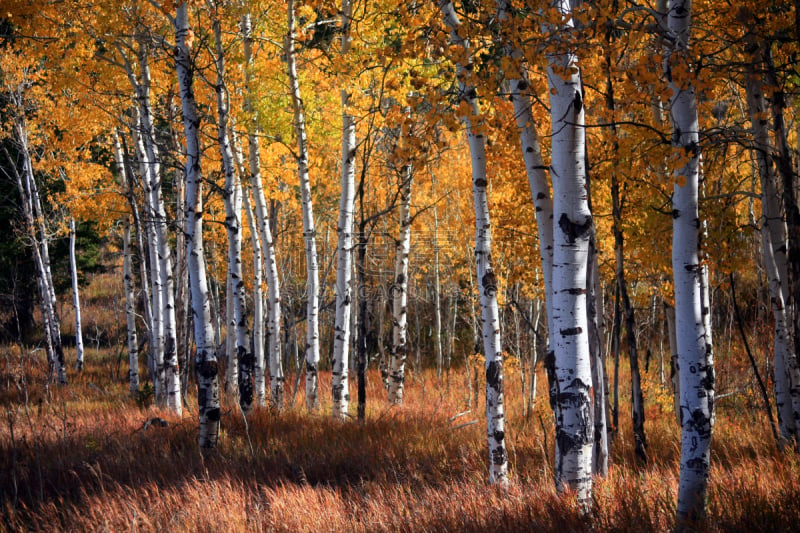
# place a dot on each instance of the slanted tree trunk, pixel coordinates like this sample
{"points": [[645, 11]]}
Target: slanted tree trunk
{"points": [[694, 364], [535, 167], [35, 222], [232, 196], [206, 358], [309, 229], [487, 281], [399, 293], [344, 268], [774, 246], [76, 301], [569, 336]]}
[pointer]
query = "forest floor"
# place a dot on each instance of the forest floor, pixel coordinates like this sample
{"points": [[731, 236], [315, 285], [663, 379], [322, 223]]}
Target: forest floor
{"points": [[81, 458]]}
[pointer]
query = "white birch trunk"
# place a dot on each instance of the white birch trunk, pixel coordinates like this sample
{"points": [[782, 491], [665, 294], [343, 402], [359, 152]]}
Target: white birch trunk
{"points": [[206, 358], [233, 223], [696, 373], [34, 219], [399, 293], [519, 90], [258, 305], [774, 244], [130, 310], [127, 278], [76, 301], [273, 283], [487, 282], [569, 336], [147, 239], [344, 265], [309, 230], [168, 373]]}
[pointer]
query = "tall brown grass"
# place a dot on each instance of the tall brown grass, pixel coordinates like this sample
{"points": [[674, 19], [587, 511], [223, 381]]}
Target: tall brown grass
{"points": [[79, 458]]}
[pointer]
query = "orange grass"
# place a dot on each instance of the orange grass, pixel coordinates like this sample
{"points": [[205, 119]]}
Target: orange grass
{"points": [[78, 458]]}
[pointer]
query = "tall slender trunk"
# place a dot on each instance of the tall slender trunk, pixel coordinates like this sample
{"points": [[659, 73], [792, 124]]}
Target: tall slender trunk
{"points": [[569, 336], [146, 240], [34, 219], [487, 281], [265, 231], [168, 372], [399, 293], [130, 310], [341, 340], [309, 229], [76, 300], [617, 205], [536, 170], [233, 223], [127, 273], [206, 358], [696, 370], [437, 296], [774, 246]]}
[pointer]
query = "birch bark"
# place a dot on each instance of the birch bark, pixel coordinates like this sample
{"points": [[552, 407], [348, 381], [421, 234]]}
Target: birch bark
{"points": [[569, 336], [34, 218], [76, 300], [774, 245], [696, 371], [206, 359], [233, 223], [487, 281], [130, 310], [265, 231], [309, 229], [344, 258], [399, 293]]}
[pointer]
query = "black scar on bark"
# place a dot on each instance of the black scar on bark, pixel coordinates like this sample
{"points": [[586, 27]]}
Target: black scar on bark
{"points": [[698, 464], [576, 291], [572, 230], [480, 182], [522, 85], [499, 455], [541, 196], [701, 423], [494, 376], [578, 102], [567, 332], [213, 414], [311, 367], [207, 369], [489, 282]]}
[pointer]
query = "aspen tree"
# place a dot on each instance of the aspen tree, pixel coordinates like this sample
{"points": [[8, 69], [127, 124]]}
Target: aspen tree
{"points": [[487, 281], [76, 300], [205, 358], [572, 230], [399, 293], [344, 257], [309, 228], [694, 363], [232, 197]]}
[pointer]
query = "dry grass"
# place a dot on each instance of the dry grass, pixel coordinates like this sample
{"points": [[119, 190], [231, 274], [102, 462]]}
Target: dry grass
{"points": [[78, 458]]}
